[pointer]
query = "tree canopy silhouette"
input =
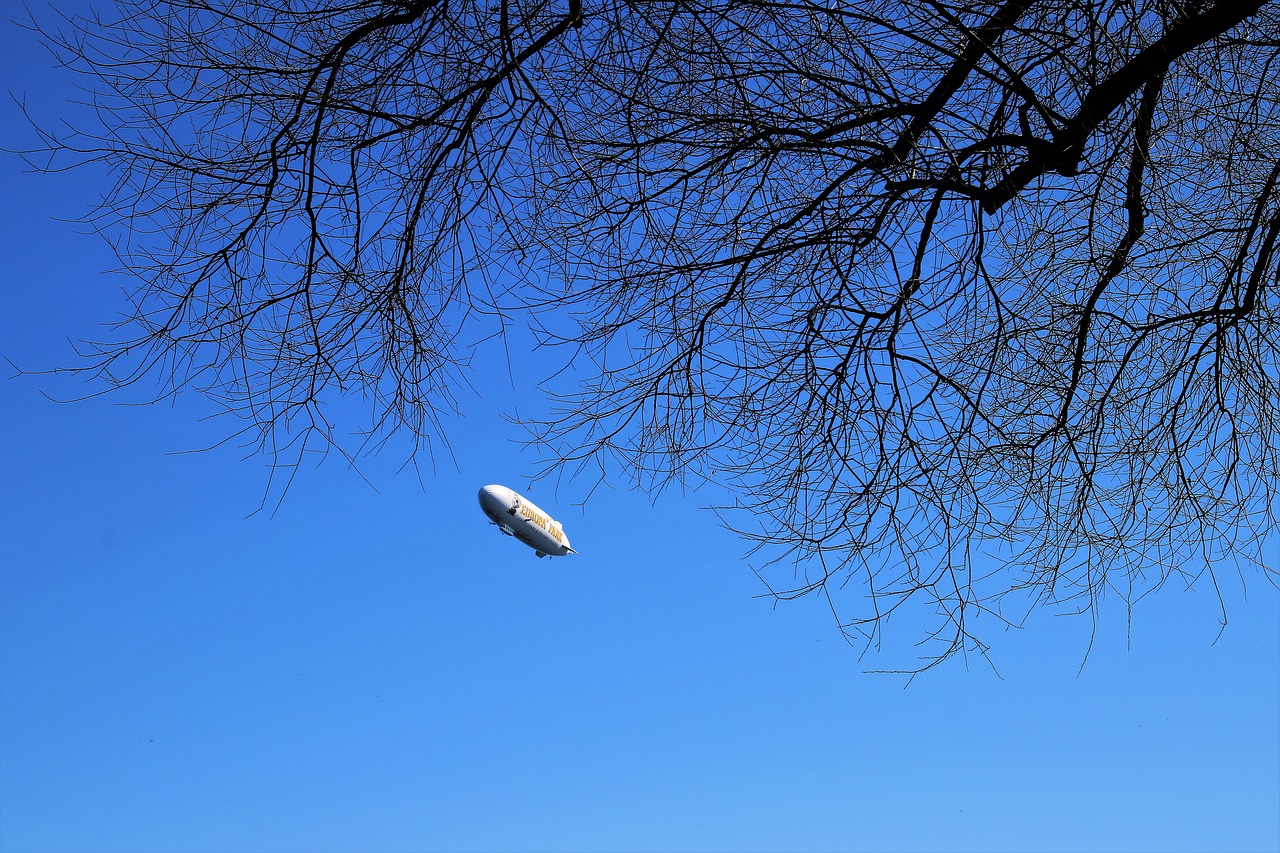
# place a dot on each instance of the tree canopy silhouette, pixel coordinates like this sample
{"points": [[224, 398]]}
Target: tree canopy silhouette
{"points": [[972, 305]]}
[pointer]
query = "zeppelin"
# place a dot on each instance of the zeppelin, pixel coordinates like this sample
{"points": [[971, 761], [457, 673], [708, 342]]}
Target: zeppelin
{"points": [[516, 515]]}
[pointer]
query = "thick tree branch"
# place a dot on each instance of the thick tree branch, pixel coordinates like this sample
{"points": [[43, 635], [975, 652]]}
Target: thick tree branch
{"points": [[1064, 153]]}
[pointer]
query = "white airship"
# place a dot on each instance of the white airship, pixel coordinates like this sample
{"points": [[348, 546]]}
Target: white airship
{"points": [[517, 516]]}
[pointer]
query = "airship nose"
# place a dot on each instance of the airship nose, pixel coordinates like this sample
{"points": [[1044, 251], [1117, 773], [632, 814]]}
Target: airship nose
{"points": [[493, 498]]}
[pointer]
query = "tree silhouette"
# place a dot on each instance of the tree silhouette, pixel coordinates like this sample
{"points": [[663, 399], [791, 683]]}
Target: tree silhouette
{"points": [[971, 304]]}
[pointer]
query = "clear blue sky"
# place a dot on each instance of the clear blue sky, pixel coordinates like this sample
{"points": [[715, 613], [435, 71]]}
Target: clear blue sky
{"points": [[380, 670]]}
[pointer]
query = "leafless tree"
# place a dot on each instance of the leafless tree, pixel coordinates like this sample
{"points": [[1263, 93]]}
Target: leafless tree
{"points": [[971, 304]]}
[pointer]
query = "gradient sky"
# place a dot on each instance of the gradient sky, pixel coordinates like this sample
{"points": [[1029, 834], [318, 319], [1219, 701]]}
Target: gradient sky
{"points": [[381, 671]]}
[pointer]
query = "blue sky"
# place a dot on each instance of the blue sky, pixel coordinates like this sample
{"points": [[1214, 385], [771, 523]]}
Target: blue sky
{"points": [[380, 670]]}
